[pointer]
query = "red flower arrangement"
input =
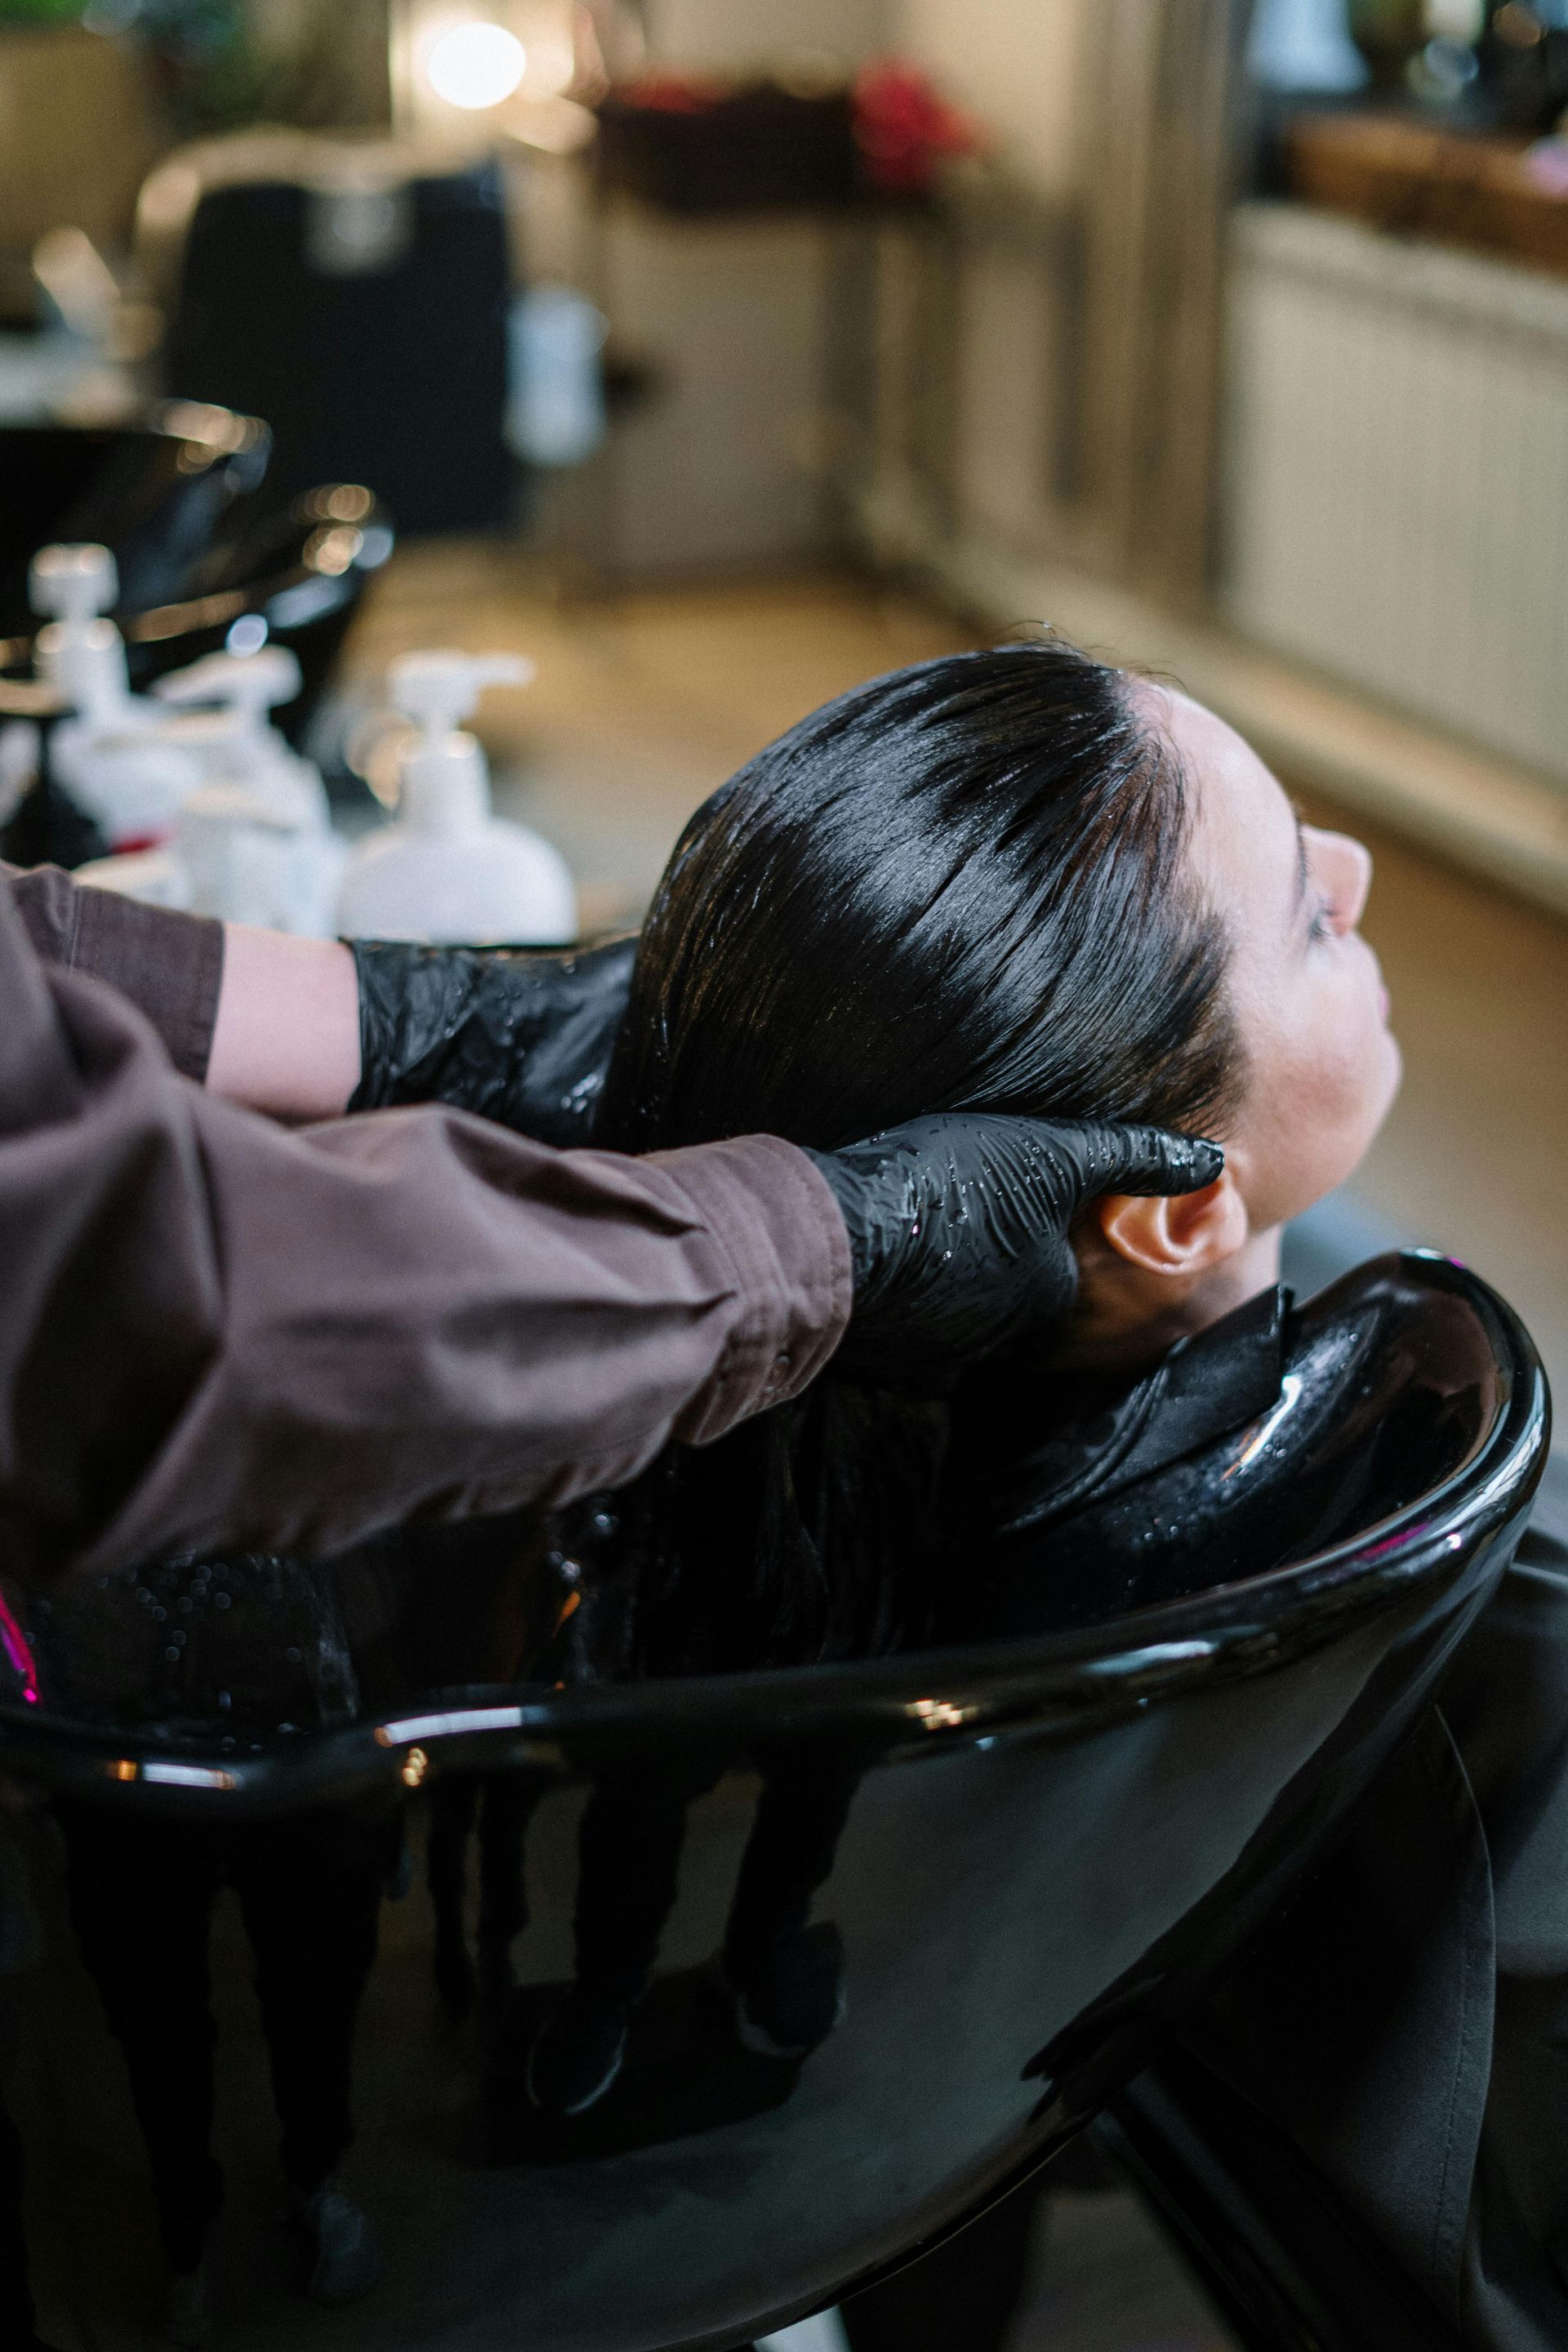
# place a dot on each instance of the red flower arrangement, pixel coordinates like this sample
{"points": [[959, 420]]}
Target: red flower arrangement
{"points": [[903, 128]]}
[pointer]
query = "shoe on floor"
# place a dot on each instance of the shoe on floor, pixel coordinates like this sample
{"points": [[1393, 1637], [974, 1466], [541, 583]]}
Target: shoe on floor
{"points": [[185, 2317], [577, 2052], [790, 1999], [345, 2259]]}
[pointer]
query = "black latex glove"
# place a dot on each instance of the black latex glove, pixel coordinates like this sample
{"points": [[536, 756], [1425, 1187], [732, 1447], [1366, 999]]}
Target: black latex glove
{"points": [[520, 1035], [959, 1229]]}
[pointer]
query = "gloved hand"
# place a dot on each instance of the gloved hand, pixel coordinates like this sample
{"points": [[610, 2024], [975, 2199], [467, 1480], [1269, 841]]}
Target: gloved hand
{"points": [[959, 1229], [522, 1036]]}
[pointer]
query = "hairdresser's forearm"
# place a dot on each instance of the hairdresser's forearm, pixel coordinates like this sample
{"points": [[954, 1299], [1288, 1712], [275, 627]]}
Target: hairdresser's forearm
{"points": [[286, 1035], [266, 1020], [414, 1315]]}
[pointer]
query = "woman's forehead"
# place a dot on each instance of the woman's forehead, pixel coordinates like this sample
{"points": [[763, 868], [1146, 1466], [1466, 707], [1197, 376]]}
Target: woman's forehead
{"points": [[1244, 838]]}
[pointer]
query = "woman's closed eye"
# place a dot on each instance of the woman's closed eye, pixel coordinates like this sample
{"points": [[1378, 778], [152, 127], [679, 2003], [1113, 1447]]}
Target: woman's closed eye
{"points": [[1322, 922]]}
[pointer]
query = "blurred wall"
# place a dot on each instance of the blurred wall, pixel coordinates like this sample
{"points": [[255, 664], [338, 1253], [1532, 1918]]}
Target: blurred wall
{"points": [[78, 130], [1045, 351], [740, 32], [322, 63], [1016, 63]]}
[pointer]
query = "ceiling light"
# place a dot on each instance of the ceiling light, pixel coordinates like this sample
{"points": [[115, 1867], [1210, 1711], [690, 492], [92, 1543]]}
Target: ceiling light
{"points": [[475, 65]]}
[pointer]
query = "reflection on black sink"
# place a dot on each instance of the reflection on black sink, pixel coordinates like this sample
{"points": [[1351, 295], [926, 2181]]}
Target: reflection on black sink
{"points": [[1388, 1385]]}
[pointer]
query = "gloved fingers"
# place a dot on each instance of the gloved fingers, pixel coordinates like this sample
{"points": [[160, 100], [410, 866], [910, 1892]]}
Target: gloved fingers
{"points": [[1106, 1157]]}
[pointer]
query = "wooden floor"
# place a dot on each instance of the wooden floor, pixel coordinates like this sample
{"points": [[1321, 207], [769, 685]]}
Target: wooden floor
{"points": [[643, 703]]}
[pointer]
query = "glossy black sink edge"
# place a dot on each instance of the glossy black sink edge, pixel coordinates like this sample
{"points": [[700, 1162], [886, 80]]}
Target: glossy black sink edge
{"points": [[920, 1702]]}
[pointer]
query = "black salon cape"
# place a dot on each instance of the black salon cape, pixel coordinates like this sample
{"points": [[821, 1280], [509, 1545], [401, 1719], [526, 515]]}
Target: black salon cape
{"points": [[1405, 2020]]}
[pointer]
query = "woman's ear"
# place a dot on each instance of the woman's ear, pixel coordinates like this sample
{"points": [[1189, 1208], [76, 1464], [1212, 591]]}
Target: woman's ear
{"points": [[1185, 1234]]}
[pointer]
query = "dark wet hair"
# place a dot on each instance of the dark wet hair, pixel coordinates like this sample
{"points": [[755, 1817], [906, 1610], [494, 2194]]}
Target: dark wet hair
{"points": [[962, 885]]}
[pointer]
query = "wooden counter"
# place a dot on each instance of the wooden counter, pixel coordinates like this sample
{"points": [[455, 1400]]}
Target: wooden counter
{"points": [[1470, 188]]}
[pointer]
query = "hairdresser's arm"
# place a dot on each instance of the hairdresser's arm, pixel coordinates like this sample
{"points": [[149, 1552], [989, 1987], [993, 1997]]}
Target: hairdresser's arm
{"points": [[267, 1020], [304, 1029], [216, 1332], [170, 966], [285, 1028]]}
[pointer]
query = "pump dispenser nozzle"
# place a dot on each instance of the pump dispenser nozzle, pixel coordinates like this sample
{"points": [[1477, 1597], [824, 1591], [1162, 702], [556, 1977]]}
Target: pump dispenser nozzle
{"points": [[445, 783], [248, 685], [73, 583], [440, 690]]}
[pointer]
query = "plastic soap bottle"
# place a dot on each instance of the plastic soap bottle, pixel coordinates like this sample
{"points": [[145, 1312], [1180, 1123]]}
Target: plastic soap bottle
{"points": [[114, 755], [253, 841], [449, 872]]}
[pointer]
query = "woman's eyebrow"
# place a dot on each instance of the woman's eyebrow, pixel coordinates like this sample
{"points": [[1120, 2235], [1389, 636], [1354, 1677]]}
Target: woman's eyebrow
{"points": [[1300, 856]]}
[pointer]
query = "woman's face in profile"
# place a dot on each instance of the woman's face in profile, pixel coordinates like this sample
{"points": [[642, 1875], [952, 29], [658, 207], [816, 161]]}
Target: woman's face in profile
{"points": [[1321, 1064]]}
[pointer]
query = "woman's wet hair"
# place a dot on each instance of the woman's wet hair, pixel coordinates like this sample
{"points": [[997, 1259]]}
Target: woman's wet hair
{"points": [[961, 886]]}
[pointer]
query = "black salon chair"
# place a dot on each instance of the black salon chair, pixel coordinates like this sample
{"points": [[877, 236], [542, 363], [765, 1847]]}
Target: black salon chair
{"points": [[356, 297], [303, 568], [1043, 1849]]}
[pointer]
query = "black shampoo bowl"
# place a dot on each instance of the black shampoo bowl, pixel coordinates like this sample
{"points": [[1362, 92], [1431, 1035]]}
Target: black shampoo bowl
{"points": [[184, 501], [1023, 1859], [156, 492]]}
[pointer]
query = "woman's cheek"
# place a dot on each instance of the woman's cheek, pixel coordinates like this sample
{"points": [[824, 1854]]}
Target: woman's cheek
{"points": [[1372, 1065], [1313, 1113], [1348, 1083]]}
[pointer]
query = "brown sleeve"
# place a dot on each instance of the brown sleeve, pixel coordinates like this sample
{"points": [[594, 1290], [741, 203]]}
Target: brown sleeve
{"points": [[169, 965], [216, 1332]]}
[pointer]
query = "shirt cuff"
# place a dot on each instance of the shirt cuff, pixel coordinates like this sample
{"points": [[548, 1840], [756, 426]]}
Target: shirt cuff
{"points": [[776, 1222], [169, 965]]}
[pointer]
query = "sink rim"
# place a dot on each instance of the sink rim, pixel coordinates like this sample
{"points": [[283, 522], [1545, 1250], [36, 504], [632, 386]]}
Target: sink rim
{"points": [[909, 1703]]}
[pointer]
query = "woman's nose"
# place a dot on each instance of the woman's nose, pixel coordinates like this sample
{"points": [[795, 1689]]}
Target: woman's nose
{"points": [[1345, 868]]}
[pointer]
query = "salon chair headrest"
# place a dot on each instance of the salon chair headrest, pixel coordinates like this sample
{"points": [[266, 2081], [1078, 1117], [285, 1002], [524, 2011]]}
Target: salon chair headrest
{"points": [[1382, 1394]]}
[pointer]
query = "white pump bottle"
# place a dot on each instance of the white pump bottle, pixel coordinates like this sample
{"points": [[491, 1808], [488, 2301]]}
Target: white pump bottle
{"points": [[114, 756], [227, 697], [448, 872], [253, 841]]}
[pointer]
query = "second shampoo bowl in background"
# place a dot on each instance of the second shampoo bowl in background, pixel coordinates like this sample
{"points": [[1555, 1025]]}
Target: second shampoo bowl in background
{"points": [[983, 1875]]}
